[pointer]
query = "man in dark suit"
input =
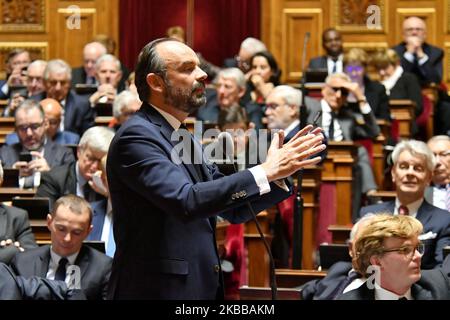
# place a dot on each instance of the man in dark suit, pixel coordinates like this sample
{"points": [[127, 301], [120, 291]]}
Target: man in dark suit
{"points": [[15, 230], [413, 164], [333, 59], [388, 258], [17, 60], [171, 253], [86, 73], [439, 193], [30, 125], [14, 287], [417, 56], [76, 177], [67, 259], [78, 115]]}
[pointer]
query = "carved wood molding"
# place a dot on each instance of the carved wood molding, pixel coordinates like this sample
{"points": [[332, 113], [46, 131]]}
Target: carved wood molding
{"points": [[352, 16], [22, 15]]}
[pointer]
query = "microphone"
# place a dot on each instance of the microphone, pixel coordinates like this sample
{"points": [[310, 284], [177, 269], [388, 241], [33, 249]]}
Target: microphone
{"points": [[225, 140]]}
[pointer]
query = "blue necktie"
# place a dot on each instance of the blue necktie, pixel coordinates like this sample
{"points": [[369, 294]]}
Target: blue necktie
{"points": [[111, 246], [60, 273]]}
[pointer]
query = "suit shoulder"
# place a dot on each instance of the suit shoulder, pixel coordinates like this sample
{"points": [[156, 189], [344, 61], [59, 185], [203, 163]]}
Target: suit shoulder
{"points": [[30, 255], [15, 212], [98, 258], [375, 208]]}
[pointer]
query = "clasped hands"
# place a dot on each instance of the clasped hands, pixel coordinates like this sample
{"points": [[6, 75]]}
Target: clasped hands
{"points": [[9, 242]]}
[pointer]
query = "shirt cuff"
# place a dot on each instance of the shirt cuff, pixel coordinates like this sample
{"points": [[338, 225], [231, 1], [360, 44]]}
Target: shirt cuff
{"points": [[260, 177], [5, 89], [365, 109], [409, 56], [423, 59]]}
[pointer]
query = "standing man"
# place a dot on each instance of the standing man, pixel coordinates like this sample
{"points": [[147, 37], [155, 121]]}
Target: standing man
{"points": [[165, 209], [333, 60]]}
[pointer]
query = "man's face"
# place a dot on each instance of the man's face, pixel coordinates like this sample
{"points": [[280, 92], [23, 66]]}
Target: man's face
{"points": [[332, 43], [90, 57], [30, 128], [228, 92], [108, 73], [57, 86], [278, 113], [410, 175], [89, 161], [243, 59], [128, 111], [441, 150], [335, 93], [414, 27], [400, 268], [19, 61], [35, 79], [184, 80], [68, 230], [53, 116]]}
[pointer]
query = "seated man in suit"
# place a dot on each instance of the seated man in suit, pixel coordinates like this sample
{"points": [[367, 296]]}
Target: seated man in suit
{"points": [[75, 178], [340, 274], [125, 105], [17, 60], [45, 154], [15, 230], [53, 114], [86, 73], [67, 259], [248, 48], [78, 115], [332, 61], [230, 88], [341, 122], [108, 73], [388, 257], [439, 193], [413, 165], [35, 85], [14, 287]]}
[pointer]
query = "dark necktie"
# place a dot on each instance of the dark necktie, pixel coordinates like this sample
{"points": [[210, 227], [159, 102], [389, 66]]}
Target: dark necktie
{"points": [[334, 65], [60, 273], [403, 210], [331, 128], [403, 299], [344, 284], [194, 151]]}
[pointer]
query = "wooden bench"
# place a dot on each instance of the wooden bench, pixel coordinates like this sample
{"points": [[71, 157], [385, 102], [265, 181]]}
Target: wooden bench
{"points": [[403, 110], [340, 233], [290, 278], [6, 193]]}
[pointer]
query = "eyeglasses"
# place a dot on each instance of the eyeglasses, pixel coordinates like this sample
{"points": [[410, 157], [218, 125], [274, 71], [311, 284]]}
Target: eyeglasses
{"points": [[350, 69], [32, 126], [408, 251], [273, 106], [344, 91], [243, 63]]}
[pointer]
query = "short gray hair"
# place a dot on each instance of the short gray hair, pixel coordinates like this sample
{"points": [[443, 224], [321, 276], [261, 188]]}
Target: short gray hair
{"points": [[416, 148], [37, 63], [123, 99], [338, 75], [291, 96], [30, 104], [253, 45], [57, 66], [108, 57], [97, 138], [234, 73], [439, 138]]}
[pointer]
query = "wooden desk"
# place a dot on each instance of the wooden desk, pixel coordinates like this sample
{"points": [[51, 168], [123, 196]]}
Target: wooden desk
{"points": [[403, 111], [338, 169], [265, 293], [378, 159], [6, 194], [289, 278], [102, 121], [7, 124], [340, 233], [40, 231]]}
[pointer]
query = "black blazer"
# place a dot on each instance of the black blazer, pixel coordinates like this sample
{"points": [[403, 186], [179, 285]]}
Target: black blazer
{"points": [[433, 219], [78, 114], [376, 97], [433, 285], [430, 71], [318, 63], [14, 225], [95, 268], [79, 76], [54, 153], [408, 87]]}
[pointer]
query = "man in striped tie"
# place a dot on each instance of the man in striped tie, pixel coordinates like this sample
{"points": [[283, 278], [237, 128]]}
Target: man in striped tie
{"points": [[439, 193]]}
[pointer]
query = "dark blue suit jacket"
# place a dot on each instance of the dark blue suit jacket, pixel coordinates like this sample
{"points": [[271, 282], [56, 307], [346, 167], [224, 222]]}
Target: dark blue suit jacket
{"points": [[78, 114], [433, 219], [98, 219], [164, 217]]}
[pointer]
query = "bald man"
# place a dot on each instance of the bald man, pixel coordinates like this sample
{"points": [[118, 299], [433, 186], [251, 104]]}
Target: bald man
{"points": [[86, 73], [53, 112], [417, 56]]}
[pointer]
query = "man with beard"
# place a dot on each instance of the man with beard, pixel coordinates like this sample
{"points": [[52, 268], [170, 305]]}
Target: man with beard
{"points": [[30, 127], [165, 205]]}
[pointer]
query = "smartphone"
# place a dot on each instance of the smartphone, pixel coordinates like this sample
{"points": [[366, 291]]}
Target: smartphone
{"points": [[25, 157]]}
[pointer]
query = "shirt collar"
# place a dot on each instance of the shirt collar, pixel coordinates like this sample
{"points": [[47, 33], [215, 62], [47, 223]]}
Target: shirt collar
{"points": [[383, 294], [56, 257], [174, 122], [291, 127], [325, 106], [413, 207]]}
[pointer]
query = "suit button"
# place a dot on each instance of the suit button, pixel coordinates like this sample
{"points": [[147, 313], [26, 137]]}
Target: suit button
{"points": [[216, 268]]}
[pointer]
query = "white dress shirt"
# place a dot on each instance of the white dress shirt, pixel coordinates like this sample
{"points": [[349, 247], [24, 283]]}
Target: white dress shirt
{"points": [[339, 64], [54, 263], [413, 207], [326, 121]]}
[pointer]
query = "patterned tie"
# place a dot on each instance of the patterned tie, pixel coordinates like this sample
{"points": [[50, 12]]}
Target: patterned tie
{"points": [[60, 273], [403, 210]]}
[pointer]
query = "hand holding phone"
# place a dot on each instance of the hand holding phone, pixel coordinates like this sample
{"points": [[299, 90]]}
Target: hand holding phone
{"points": [[25, 157]]}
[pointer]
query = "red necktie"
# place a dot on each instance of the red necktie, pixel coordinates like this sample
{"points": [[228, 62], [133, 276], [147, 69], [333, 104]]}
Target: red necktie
{"points": [[403, 210]]}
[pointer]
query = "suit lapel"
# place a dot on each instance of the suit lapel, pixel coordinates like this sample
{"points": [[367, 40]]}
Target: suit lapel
{"points": [[423, 214], [419, 293], [71, 183], [83, 261], [41, 264]]}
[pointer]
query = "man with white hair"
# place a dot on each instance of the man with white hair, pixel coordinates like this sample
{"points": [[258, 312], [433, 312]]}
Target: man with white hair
{"points": [[86, 73], [413, 165], [125, 105], [248, 48], [439, 193], [76, 178]]}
